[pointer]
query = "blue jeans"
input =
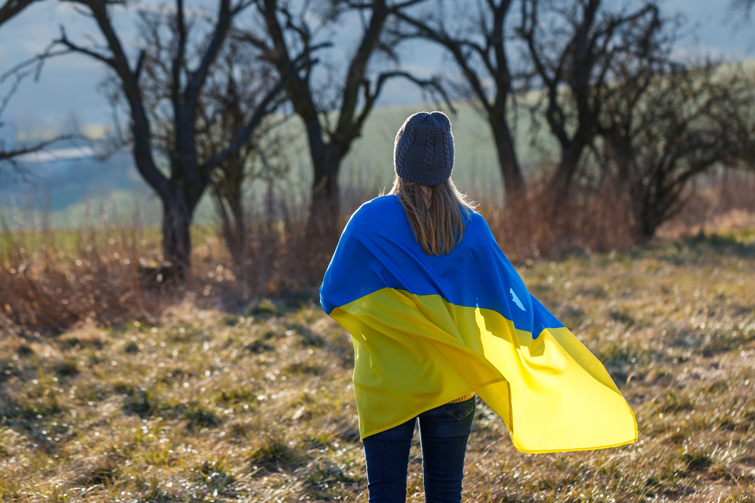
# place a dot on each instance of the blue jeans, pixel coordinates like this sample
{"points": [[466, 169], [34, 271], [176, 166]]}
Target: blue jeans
{"points": [[443, 432]]}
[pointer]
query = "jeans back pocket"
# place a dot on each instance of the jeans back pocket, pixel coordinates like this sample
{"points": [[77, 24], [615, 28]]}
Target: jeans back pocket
{"points": [[460, 410]]}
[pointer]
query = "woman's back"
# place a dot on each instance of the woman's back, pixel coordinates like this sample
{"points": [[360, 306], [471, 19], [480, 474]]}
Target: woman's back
{"points": [[380, 235]]}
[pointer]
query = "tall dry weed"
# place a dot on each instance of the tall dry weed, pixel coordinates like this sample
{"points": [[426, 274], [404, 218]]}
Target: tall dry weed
{"points": [[278, 258], [52, 280], [599, 219], [538, 227], [718, 201]]}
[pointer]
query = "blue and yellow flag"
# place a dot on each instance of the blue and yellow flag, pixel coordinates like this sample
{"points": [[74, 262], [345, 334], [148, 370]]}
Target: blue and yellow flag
{"points": [[428, 329]]}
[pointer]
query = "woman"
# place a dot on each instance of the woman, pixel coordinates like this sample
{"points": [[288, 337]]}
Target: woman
{"points": [[437, 314]]}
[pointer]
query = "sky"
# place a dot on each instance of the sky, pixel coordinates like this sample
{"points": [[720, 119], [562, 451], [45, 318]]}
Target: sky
{"points": [[67, 90]]}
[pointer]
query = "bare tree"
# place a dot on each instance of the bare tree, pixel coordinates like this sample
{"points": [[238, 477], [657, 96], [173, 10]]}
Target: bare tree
{"points": [[663, 127], [237, 83], [333, 113], [478, 47], [571, 45], [188, 177]]}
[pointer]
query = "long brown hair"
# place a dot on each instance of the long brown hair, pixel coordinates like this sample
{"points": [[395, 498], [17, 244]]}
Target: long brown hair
{"points": [[436, 213]]}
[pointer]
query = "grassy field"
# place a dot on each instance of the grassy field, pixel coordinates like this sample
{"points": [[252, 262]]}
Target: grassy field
{"points": [[207, 405]]}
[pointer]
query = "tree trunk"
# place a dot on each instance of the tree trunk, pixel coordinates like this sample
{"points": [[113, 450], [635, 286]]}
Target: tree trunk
{"points": [[561, 182], [239, 228], [233, 226], [644, 226], [645, 215], [177, 217], [235, 231], [325, 207], [513, 181]]}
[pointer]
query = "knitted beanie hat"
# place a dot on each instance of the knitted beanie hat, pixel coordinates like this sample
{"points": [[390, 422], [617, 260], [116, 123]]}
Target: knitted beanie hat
{"points": [[424, 149]]}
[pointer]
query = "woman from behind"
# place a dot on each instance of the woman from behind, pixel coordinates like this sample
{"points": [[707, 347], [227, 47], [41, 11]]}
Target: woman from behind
{"points": [[437, 315], [436, 212]]}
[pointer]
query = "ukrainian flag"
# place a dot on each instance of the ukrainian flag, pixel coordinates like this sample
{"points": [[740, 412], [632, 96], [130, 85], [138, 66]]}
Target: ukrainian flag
{"points": [[428, 329]]}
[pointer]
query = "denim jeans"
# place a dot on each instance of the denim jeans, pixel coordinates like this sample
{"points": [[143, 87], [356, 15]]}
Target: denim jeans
{"points": [[443, 432]]}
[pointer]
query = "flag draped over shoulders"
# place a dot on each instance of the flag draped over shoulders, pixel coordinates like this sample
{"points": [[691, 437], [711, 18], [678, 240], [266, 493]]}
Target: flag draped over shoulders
{"points": [[428, 329]]}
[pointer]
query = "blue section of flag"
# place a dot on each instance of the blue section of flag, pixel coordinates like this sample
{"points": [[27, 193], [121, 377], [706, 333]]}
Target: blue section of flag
{"points": [[373, 255]]}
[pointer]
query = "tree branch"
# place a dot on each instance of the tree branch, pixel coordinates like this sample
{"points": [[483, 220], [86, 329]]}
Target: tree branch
{"points": [[7, 155], [263, 108], [63, 40], [433, 85], [219, 34], [11, 8], [358, 67], [454, 46], [140, 125]]}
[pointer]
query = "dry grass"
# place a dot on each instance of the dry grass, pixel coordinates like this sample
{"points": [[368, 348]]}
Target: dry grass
{"points": [[256, 405], [115, 389], [535, 228], [52, 280]]}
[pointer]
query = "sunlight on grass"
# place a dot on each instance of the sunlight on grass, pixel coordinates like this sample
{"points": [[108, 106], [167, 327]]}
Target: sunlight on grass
{"points": [[257, 405]]}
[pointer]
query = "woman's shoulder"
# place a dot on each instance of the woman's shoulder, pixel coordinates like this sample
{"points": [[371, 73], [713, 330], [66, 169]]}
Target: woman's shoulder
{"points": [[375, 212], [477, 232], [380, 203], [477, 221], [378, 208]]}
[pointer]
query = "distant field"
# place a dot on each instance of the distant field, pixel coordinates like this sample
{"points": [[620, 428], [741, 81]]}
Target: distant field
{"points": [[368, 167], [476, 163], [206, 405]]}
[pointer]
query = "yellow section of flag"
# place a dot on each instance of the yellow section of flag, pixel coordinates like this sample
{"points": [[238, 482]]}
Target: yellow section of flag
{"points": [[416, 352]]}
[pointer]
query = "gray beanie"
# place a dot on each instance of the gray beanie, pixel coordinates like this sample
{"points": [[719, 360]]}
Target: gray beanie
{"points": [[424, 149]]}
